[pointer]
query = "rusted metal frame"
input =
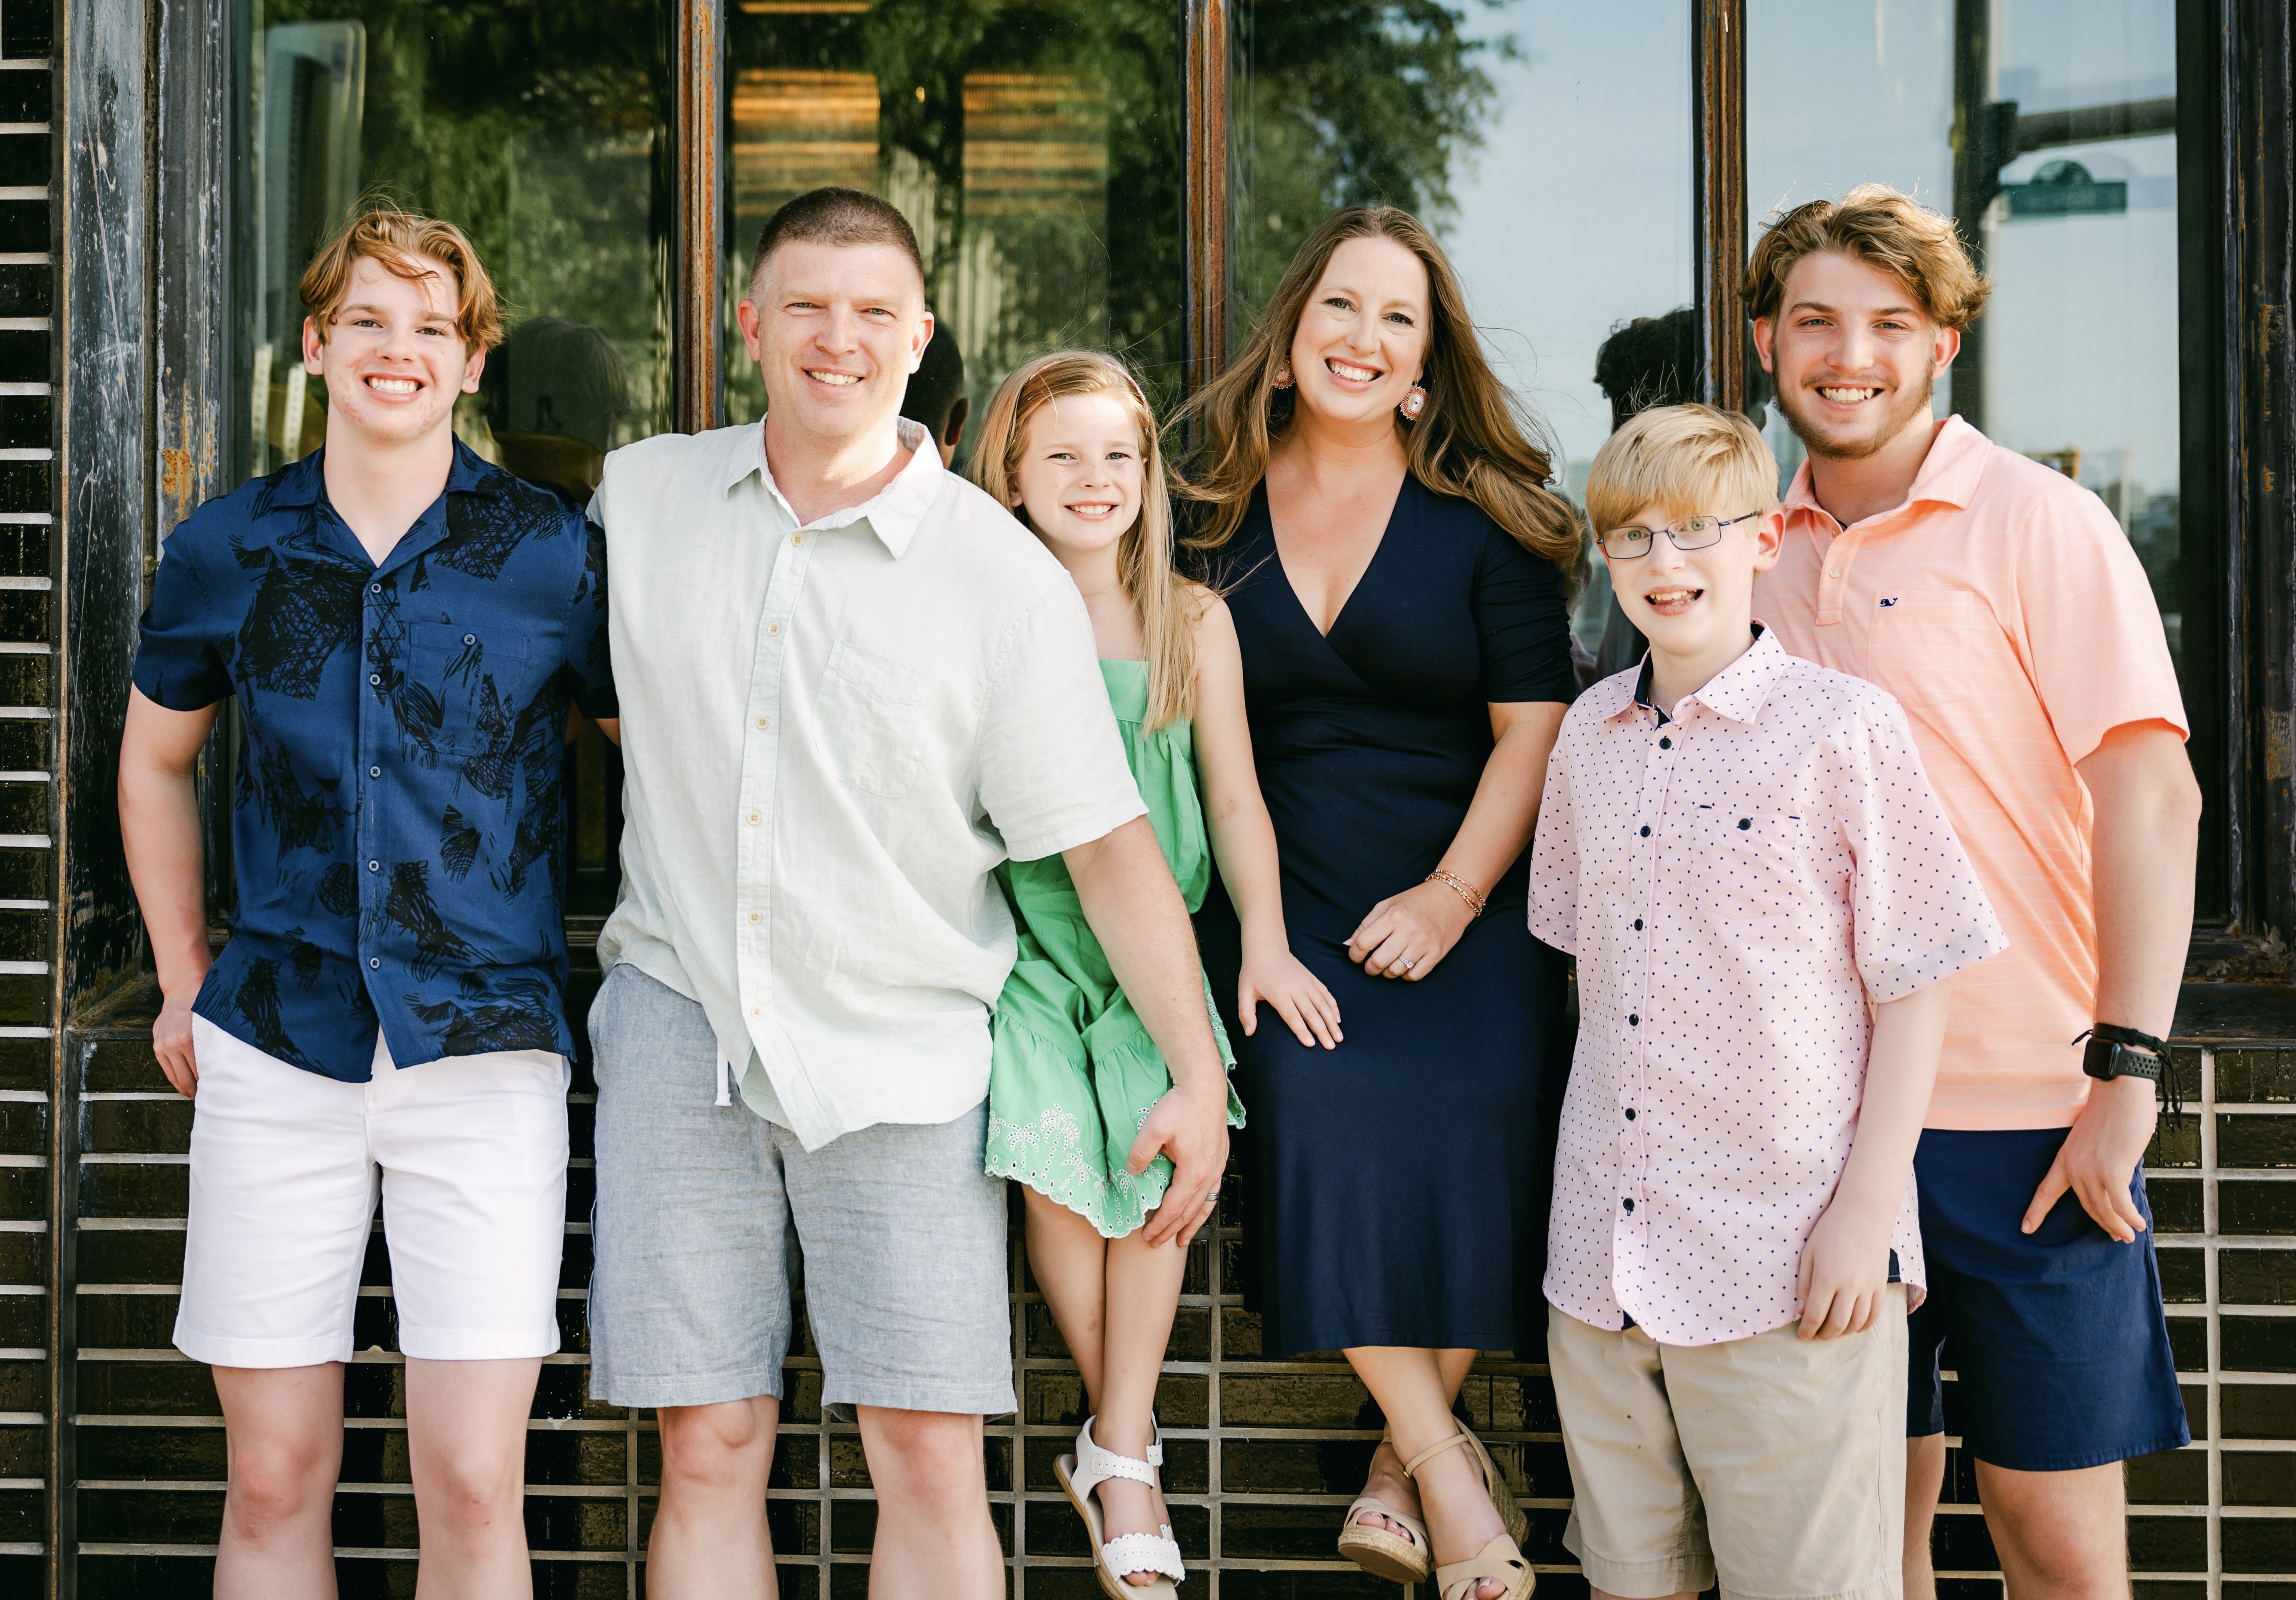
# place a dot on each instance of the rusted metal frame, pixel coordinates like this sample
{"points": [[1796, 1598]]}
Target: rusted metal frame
{"points": [[2259, 470], [1205, 105], [697, 58], [1718, 167]]}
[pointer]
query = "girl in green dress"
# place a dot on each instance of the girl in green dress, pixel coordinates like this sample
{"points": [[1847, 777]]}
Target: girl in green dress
{"points": [[1070, 444]]}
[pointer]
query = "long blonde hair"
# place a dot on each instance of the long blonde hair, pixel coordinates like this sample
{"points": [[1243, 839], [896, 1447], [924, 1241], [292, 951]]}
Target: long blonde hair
{"points": [[1144, 556], [1474, 439]]}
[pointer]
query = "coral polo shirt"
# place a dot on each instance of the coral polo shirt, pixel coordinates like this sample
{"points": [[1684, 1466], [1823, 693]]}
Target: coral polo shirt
{"points": [[2005, 609]]}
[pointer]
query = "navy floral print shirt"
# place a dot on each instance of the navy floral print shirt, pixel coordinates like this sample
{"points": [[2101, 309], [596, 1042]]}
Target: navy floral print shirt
{"points": [[398, 824]]}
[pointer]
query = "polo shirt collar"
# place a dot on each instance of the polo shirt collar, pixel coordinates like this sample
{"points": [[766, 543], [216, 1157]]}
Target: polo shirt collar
{"points": [[1949, 474], [893, 514], [1735, 693]]}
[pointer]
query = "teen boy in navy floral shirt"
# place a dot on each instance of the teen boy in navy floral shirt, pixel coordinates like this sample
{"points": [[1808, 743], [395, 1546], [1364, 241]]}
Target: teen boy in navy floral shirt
{"points": [[404, 626]]}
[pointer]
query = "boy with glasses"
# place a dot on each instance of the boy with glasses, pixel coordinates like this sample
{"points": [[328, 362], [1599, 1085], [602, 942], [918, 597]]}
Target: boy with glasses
{"points": [[1764, 897]]}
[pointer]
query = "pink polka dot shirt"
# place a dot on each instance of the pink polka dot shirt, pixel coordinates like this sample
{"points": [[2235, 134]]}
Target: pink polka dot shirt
{"points": [[1737, 881]]}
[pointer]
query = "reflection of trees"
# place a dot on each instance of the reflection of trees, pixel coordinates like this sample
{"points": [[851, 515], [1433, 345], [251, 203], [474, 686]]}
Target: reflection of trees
{"points": [[1346, 102], [530, 127], [1036, 147]]}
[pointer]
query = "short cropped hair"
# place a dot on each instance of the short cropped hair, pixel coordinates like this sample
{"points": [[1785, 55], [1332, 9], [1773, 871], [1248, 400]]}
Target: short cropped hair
{"points": [[1685, 458], [1887, 231], [836, 215], [393, 239]]}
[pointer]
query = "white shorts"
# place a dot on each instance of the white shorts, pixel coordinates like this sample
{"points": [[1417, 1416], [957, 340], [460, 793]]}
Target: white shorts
{"points": [[469, 1156]]}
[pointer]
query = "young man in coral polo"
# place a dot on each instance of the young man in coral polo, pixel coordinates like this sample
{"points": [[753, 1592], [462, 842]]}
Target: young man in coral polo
{"points": [[2001, 603]]}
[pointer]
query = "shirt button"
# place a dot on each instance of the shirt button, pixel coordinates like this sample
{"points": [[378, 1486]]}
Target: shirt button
{"points": [[1745, 822], [1666, 744], [374, 962], [374, 866], [1630, 1113], [1638, 924], [1646, 831], [1630, 1206], [773, 628], [374, 772], [753, 917], [1633, 1021], [1833, 572], [755, 819], [757, 1011], [796, 538], [470, 638], [762, 722], [374, 588], [374, 677]]}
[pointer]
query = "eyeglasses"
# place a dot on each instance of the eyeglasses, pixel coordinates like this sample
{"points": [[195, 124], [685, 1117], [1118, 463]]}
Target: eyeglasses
{"points": [[1692, 533]]}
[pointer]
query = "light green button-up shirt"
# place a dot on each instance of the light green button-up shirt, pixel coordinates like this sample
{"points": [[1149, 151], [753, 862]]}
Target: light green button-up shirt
{"points": [[832, 732]]}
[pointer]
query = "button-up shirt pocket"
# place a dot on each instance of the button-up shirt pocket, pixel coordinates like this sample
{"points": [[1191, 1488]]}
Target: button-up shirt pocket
{"points": [[874, 712], [1922, 644], [1758, 854], [469, 686]]}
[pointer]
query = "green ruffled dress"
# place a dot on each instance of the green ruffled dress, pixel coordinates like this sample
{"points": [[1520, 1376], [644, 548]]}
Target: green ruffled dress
{"points": [[1073, 1073]]}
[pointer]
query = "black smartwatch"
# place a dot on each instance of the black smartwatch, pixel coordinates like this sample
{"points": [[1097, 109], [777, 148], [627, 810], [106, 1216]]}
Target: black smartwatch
{"points": [[2115, 1052]]}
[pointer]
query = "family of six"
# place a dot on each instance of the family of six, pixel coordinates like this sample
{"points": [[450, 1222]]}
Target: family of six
{"points": [[926, 779]]}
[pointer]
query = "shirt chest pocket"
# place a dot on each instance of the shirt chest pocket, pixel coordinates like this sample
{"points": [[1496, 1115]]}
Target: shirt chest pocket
{"points": [[1924, 645], [1758, 856], [462, 689], [874, 712]]}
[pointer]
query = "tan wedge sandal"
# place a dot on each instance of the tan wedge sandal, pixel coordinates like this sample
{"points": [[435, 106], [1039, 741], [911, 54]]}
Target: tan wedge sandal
{"points": [[1404, 1557], [1502, 1558]]}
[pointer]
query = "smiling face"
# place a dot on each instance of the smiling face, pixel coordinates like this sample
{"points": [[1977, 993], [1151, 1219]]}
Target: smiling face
{"points": [[1695, 605], [1362, 338], [393, 360], [836, 330], [1081, 473], [1854, 355]]}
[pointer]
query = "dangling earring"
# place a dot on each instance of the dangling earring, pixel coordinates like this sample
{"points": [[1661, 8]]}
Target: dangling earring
{"points": [[1283, 375], [1412, 404]]}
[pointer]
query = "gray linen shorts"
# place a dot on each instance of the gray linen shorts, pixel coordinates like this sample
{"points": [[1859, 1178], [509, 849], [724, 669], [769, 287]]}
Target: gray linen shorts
{"points": [[902, 1235]]}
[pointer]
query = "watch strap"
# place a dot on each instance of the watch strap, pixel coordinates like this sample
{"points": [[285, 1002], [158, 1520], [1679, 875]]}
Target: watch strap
{"points": [[2117, 1051]]}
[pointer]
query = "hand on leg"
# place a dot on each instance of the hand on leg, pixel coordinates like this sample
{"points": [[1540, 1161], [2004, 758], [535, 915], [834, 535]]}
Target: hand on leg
{"points": [[466, 1443], [2060, 1536], [283, 1427], [710, 1539], [934, 1532]]}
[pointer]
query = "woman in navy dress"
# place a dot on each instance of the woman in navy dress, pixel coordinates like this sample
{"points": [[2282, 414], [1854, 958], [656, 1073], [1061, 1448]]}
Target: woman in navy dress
{"points": [[1398, 573]]}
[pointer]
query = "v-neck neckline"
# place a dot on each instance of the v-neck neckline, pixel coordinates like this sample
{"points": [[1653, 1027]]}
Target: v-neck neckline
{"points": [[1293, 588]]}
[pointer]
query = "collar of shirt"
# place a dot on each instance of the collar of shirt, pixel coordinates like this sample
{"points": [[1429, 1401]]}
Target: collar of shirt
{"points": [[1949, 477], [893, 513], [1736, 691], [305, 484]]}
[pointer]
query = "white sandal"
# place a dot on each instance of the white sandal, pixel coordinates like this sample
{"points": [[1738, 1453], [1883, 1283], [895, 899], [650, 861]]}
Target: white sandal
{"points": [[1085, 1472]]}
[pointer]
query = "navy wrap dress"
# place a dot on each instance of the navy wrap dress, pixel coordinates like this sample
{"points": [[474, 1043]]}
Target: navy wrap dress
{"points": [[1397, 1187]]}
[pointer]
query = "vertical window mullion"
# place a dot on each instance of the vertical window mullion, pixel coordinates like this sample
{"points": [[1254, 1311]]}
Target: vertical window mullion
{"points": [[698, 57], [1204, 58], [1718, 165]]}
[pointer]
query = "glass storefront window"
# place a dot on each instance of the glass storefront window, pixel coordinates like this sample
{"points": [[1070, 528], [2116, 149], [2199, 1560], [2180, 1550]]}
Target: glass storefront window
{"points": [[1552, 160], [2047, 129], [1035, 148], [539, 131]]}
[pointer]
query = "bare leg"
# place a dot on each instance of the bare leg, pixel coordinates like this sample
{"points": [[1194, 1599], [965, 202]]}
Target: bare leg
{"points": [[1385, 1482], [1924, 1482], [2060, 1536], [710, 1540], [934, 1532], [466, 1443], [283, 1428], [1115, 1300], [1409, 1385]]}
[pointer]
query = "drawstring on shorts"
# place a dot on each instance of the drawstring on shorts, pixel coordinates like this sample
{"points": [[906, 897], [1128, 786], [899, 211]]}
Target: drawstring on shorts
{"points": [[725, 1078]]}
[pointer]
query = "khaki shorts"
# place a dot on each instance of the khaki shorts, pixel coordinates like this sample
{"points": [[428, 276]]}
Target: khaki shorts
{"points": [[1775, 1463]]}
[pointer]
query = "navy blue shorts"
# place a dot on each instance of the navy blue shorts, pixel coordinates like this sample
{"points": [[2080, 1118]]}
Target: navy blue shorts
{"points": [[2058, 1335]]}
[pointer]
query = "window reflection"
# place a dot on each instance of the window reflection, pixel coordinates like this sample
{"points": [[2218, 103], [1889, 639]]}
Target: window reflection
{"points": [[537, 129], [2047, 129], [1548, 142], [1035, 149]]}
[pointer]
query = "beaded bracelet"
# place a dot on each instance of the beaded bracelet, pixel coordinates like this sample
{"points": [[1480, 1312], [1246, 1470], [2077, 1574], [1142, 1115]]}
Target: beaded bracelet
{"points": [[1459, 886]]}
